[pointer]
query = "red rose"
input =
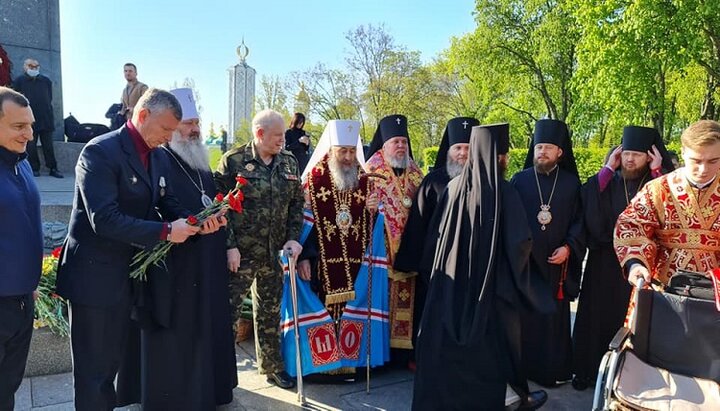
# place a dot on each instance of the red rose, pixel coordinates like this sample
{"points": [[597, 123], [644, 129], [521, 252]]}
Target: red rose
{"points": [[241, 180], [219, 198], [240, 196], [191, 220], [56, 252]]}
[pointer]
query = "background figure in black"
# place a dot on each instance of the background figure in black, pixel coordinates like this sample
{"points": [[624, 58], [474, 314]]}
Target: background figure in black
{"points": [[450, 159], [297, 140], [483, 243], [605, 292], [38, 90], [550, 193]]}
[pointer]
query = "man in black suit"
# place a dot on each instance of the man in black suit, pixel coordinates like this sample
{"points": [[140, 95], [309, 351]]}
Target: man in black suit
{"points": [[123, 203], [38, 90]]}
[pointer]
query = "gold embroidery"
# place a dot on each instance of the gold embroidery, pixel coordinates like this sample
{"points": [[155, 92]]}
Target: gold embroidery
{"points": [[359, 198], [323, 194]]}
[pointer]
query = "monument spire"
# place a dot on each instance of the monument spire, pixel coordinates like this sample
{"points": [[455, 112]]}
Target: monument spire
{"points": [[243, 51]]}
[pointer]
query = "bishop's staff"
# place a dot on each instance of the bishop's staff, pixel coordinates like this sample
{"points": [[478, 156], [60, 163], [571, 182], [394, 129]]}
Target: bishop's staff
{"points": [[370, 191], [287, 253]]}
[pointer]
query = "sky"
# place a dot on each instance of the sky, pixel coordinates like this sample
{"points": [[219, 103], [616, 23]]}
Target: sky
{"points": [[171, 40]]}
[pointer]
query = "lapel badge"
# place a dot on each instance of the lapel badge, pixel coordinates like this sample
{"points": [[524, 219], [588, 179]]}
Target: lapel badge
{"points": [[162, 185], [133, 180], [250, 167]]}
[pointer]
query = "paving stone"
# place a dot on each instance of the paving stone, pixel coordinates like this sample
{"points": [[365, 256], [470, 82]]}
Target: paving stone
{"points": [[23, 396], [67, 406], [52, 389]]}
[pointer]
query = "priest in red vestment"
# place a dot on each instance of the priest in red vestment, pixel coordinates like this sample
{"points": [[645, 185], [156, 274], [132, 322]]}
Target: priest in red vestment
{"points": [[673, 223], [391, 157]]}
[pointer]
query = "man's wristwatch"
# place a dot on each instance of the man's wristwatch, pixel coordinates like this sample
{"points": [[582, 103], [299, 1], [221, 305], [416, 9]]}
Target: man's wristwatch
{"points": [[169, 230]]}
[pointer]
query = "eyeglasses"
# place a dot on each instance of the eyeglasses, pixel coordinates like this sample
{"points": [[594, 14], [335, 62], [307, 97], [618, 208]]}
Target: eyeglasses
{"points": [[33, 66]]}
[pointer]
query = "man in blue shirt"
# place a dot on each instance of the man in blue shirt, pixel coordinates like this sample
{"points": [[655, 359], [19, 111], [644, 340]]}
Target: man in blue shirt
{"points": [[21, 242]]}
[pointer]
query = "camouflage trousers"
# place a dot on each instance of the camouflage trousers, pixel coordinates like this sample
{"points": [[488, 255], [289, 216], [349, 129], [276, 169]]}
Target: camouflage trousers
{"points": [[266, 281]]}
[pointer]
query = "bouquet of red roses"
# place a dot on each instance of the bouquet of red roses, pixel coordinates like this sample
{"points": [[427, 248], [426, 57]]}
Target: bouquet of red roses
{"points": [[145, 259]]}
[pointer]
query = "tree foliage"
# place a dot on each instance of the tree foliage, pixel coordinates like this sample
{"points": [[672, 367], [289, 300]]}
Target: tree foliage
{"points": [[597, 65]]}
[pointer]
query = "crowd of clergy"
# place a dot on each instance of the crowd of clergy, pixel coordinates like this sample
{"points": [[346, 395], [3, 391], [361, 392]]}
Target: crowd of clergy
{"points": [[482, 267]]}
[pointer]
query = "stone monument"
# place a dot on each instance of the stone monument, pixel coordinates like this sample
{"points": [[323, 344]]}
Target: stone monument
{"points": [[242, 94], [31, 29]]}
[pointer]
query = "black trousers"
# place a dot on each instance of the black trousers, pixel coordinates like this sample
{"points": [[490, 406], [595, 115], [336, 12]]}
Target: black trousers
{"points": [[99, 338], [16, 326], [47, 147]]}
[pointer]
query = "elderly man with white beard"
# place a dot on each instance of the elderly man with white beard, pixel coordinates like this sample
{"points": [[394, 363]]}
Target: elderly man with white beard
{"points": [[188, 360], [390, 155], [337, 192]]}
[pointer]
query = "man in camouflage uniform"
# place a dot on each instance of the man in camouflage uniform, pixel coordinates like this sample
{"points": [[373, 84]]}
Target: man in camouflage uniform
{"points": [[271, 220]]}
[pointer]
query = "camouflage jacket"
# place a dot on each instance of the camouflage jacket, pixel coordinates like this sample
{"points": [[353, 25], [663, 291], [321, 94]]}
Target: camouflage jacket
{"points": [[272, 209]]}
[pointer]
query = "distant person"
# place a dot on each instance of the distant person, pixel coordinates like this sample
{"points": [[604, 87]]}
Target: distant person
{"points": [[133, 90], [297, 141], [38, 90], [21, 242]]}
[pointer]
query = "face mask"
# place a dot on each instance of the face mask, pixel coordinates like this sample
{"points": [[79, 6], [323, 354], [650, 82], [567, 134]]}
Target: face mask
{"points": [[33, 72]]}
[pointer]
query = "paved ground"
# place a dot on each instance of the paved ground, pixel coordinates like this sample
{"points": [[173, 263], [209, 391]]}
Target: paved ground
{"points": [[390, 390]]}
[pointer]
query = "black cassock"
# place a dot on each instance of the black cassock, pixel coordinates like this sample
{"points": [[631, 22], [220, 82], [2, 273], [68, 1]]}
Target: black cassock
{"points": [[605, 292], [483, 242], [547, 345], [416, 251], [188, 355]]}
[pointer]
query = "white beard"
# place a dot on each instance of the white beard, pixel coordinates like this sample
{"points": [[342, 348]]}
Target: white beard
{"points": [[191, 151], [399, 162], [344, 178], [453, 167]]}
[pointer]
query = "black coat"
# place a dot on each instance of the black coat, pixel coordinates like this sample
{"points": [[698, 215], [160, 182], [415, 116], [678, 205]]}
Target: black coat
{"points": [[38, 91], [299, 150], [483, 244], [114, 215], [188, 359]]}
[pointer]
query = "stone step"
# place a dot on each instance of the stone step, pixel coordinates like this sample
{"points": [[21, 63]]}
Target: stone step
{"points": [[49, 354], [66, 155]]}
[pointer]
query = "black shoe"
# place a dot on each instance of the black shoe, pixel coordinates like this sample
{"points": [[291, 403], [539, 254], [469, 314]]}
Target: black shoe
{"points": [[36, 173], [281, 379], [533, 401], [55, 173], [580, 383]]}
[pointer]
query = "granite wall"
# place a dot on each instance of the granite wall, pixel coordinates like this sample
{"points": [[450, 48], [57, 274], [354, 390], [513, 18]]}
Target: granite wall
{"points": [[31, 29]]}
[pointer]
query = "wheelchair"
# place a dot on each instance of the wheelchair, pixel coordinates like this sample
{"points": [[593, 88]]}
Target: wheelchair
{"points": [[669, 358]]}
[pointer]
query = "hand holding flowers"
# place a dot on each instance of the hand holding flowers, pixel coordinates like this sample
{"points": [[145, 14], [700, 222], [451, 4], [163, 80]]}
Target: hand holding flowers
{"points": [[207, 221]]}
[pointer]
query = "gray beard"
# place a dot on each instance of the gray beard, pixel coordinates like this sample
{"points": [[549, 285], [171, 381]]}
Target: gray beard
{"points": [[344, 178], [453, 168], [399, 163], [192, 152]]}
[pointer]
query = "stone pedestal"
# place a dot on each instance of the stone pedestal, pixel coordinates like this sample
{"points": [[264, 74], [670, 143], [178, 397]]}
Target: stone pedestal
{"points": [[31, 29], [49, 354]]}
